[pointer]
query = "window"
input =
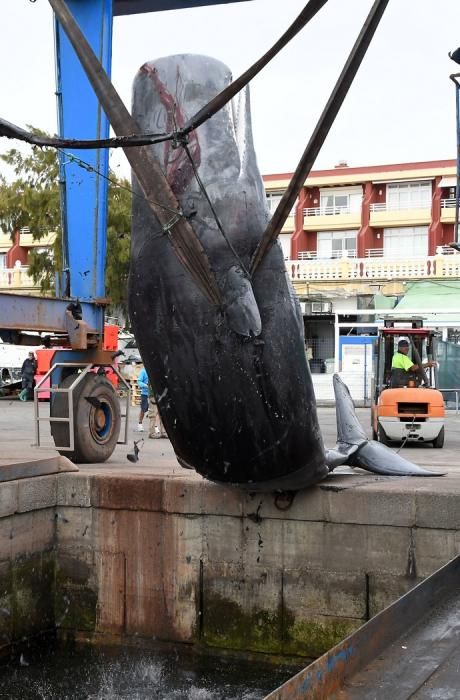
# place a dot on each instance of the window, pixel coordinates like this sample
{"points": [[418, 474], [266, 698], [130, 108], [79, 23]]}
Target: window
{"points": [[2, 261], [336, 244], [410, 241], [274, 198], [409, 195], [340, 200], [285, 240]]}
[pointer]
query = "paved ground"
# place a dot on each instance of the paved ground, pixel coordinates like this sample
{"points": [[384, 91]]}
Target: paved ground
{"points": [[157, 456]]}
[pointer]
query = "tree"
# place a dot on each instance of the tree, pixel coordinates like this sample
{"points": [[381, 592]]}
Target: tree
{"points": [[32, 200]]}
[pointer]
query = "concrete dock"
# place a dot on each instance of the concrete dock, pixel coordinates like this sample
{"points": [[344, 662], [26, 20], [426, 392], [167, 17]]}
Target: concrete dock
{"points": [[150, 550]]}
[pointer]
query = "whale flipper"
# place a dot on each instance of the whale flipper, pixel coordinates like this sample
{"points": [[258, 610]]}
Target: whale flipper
{"points": [[353, 442]]}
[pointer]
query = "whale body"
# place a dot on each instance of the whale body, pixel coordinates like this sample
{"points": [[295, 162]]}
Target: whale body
{"points": [[232, 382]]}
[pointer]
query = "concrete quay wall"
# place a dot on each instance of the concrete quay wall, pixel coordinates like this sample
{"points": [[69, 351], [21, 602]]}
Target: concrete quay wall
{"points": [[184, 560]]}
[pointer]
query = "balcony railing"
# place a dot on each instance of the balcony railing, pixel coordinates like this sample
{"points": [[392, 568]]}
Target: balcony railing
{"points": [[398, 206], [375, 268], [448, 203], [329, 211], [16, 279], [309, 255], [380, 253]]}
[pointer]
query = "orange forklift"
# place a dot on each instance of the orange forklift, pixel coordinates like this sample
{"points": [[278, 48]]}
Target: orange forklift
{"points": [[411, 409]]}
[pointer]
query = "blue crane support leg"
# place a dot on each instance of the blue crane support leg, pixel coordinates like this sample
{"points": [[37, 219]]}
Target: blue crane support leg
{"points": [[84, 191]]}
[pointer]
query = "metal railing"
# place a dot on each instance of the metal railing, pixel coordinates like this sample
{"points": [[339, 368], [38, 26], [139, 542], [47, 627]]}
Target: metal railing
{"points": [[398, 206], [368, 253], [335, 255], [448, 203], [452, 391], [330, 211]]}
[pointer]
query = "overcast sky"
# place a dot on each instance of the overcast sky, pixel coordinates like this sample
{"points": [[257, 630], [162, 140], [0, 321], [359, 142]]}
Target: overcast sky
{"points": [[400, 108]]}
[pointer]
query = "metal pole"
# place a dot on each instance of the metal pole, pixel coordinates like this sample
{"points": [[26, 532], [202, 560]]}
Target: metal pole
{"points": [[457, 188]]}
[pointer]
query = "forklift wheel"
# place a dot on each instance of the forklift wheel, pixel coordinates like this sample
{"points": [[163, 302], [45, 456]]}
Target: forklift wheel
{"points": [[97, 419], [439, 441], [382, 437]]}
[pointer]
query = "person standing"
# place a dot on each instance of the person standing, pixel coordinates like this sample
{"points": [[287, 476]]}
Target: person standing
{"points": [[156, 429], [28, 371], [143, 384]]}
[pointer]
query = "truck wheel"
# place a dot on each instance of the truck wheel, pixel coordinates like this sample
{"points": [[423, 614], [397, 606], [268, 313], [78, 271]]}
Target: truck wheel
{"points": [[382, 437], [97, 419], [439, 441]]}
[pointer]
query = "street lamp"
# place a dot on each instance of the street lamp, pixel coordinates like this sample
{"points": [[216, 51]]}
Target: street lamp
{"points": [[455, 56]]}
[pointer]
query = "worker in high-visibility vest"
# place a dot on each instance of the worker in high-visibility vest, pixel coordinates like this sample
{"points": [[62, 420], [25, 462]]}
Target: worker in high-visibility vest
{"points": [[402, 366]]}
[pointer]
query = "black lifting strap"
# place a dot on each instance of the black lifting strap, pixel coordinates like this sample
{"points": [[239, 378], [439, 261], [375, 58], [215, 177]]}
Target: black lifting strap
{"points": [[220, 100], [321, 131]]}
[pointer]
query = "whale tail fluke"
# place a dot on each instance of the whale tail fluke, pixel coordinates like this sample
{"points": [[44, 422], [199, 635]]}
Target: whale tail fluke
{"points": [[354, 447]]}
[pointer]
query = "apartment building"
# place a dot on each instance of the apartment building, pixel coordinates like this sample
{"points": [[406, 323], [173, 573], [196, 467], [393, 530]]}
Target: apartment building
{"points": [[360, 239], [15, 257]]}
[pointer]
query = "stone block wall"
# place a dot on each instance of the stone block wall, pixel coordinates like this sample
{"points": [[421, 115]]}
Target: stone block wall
{"points": [[184, 560], [27, 558]]}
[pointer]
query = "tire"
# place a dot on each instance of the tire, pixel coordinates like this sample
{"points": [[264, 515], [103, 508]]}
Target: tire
{"points": [[382, 436], [439, 441], [96, 429]]}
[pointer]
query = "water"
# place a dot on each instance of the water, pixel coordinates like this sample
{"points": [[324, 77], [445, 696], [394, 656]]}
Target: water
{"points": [[98, 673]]}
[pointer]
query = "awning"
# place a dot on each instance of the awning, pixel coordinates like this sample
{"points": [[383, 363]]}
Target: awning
{"points": [[448, 181], [383, 303], [433, 298]]}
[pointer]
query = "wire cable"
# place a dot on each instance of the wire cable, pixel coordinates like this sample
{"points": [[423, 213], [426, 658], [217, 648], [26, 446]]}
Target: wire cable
{"points": [[91, 169]]}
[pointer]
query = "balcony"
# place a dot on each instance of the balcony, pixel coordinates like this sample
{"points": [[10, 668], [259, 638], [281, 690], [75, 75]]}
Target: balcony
{"points": [[17, 280], [445, 264], [448, 210], [27, 240], [331, 218], [383, 214]]}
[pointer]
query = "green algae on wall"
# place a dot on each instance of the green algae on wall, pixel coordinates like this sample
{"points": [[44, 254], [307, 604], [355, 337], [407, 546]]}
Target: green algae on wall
{"points": [[75, 605], [315, 637], [226, 625], [26, 597]]}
